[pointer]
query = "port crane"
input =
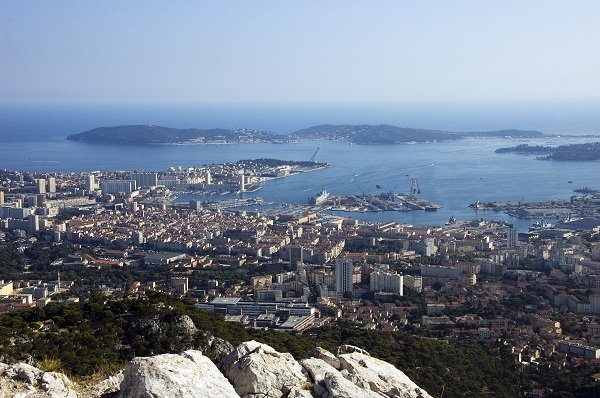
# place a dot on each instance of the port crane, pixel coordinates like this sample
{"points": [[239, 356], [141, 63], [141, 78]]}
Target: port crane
{"points": [[312, 158], [414, 186]]}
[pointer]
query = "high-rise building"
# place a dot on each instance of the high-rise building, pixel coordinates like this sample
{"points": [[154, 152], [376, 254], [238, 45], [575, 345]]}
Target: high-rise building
{"points": [[382, 281], [511, 237], [1, 197], [242, 184], [208, 179], [90, 182], [146, 179], [33, 223], [51, 184], [296, 258], [41, 185], [343, 275]]}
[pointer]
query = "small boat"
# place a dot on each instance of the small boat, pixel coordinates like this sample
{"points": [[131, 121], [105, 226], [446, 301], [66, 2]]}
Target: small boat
{"points": [[570, 182], [378, 186]]}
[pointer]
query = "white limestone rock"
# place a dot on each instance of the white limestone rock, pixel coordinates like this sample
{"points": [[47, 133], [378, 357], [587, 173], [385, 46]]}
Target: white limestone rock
{"points": [[189, 374], [26, 381], [110, 385], [339, 387], [325, 355], [380, 376], [256, 369]]}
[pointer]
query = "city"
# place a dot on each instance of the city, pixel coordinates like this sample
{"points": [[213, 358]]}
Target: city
{"points": [[299, 268]]}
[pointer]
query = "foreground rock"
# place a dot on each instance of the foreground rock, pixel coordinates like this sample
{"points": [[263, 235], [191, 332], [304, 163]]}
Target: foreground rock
{"points": [[256, 369], [189, 374], [26, 381], [251, 370]]}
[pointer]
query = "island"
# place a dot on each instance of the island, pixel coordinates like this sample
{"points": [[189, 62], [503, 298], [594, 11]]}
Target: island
{"points": [[357, 134], [151, 134], [573, 152]]}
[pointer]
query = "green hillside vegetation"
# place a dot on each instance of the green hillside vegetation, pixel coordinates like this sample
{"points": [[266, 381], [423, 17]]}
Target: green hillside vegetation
{"points": [[150, 134], [387, 134], [99, 336], [573, 152]]}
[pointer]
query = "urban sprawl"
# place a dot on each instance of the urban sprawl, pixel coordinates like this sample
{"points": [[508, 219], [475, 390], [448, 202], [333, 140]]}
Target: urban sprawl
{"points": [[537, 290]]}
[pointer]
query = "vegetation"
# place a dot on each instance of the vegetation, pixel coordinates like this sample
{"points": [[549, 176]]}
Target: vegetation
{"points": [[386, 134], [574, 152], [99, 336], [150, 134]]}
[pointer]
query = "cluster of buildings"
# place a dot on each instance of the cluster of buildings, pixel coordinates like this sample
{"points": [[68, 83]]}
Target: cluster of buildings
{"points": [[464, 280]]}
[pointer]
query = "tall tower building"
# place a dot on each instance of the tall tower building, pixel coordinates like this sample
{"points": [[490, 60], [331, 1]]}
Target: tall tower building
{"points": [[242, 184], [1, 197], [343, 275], [296, 258], [208, 178], [41, 185], [511, 237], [90, 183], [51, 184]]}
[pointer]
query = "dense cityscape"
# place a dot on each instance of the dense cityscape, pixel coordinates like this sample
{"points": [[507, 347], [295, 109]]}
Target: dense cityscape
{"points": [[297, 268]]}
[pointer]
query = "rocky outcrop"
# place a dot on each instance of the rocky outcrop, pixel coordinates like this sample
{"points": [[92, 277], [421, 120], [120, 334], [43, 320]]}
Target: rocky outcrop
{"points": [[25, 381], [250, 370], [257, 370], [189, 374]]}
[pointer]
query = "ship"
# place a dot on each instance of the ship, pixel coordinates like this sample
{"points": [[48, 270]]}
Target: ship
{"points": [[319, 198]]}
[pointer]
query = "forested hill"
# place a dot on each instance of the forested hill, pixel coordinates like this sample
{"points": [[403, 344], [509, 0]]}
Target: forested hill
{"points": [[151, 134], [359, 134], [573, 152], [387, 134]]}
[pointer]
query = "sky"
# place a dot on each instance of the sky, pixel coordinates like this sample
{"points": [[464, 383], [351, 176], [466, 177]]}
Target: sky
{"points": [[207, 52]]}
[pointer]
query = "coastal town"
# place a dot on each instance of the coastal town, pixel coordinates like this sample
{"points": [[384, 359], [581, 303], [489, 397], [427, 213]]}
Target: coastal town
{"points": [[299, 268]]}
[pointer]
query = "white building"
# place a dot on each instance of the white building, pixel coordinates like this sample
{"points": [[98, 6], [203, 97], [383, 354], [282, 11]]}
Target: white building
{"points": [[343, 275], [382, 281]]}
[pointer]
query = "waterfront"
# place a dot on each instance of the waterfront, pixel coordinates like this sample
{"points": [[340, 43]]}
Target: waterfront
{"points": [[453, 174]]}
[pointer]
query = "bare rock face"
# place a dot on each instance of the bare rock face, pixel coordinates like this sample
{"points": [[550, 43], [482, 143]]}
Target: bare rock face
{"points": [[26, 381], [353, 372], [379, 376], [189, 374], [257, 370]]}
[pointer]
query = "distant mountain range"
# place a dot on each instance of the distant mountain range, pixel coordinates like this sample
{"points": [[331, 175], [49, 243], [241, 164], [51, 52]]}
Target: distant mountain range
{"points": [[358, 134]]}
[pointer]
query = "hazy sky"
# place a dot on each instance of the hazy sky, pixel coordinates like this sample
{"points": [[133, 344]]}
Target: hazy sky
{"points": [[302, 51]]}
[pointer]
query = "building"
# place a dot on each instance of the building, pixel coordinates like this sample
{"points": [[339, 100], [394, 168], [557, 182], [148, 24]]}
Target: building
{"points": [[33, 223], [576, 349], [90, 183], [117, 186], [180, 284], [1, 197], [296, 258], [242, 184], [382, 281], [344, 268], [41, 185], [51, 184], [6, 288], [145, 179], [511, 237]]}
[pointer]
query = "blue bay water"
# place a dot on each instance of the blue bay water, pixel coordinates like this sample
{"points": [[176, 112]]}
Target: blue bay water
{"points": [[452, 174]]}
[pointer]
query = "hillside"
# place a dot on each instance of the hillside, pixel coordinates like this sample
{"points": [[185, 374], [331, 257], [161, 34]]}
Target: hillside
{"points": [[573, 152], [387, 134], [150, 134], [359, 134]]}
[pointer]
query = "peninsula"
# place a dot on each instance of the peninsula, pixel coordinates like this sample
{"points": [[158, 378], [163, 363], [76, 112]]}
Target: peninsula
{"points": [[573, 152], [358, 134]]}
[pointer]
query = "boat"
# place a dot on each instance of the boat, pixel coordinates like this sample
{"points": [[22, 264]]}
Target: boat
{"points": [[378, 186], [319, 198]]}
